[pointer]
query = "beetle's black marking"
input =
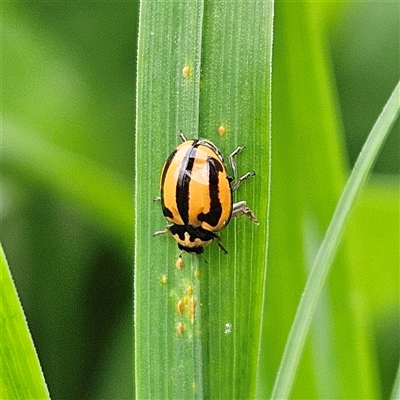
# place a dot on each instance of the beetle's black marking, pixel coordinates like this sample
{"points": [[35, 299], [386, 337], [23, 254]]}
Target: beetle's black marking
{"points": [[166, 211], [213, 216], [195, 250], [166, 166], [184, 177], [194, 232]]}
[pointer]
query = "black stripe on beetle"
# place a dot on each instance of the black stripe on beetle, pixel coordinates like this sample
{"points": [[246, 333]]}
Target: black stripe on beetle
{"points": [[166, 211], [182, 185], [213, 216]]}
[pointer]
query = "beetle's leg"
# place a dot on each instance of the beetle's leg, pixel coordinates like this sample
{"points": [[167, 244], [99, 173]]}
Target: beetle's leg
{"points": [[157, 198], [232, 160], [240, 180], [182, 136], [240, 208], [163, 232]]}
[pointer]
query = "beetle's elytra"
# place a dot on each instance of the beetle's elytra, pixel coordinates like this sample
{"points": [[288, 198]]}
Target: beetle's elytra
{"points": [[197, 194]]}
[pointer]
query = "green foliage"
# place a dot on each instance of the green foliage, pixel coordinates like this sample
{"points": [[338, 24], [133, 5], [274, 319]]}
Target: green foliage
{"points": [[68, 171]]}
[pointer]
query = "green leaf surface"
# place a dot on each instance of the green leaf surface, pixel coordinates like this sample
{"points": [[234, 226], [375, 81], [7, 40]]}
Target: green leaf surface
{"points": [[21, 375], [330, 244], [226, 47]]}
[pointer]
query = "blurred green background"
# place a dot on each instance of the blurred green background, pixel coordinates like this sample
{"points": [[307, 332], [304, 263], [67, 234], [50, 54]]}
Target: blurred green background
{"points": [[68, 106]]}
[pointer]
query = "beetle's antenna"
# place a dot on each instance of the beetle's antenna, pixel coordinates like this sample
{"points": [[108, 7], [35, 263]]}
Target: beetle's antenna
{"points": [[221, 246]]}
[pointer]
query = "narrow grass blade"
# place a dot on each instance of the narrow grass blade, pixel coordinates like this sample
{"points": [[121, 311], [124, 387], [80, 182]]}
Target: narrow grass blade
{"points": [[396, 386], [21, 375], [329, 246]]}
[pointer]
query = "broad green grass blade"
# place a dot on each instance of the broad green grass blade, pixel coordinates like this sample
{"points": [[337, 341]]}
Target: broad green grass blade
{"points": [[103, 195], [327, 251], [21, 375], [201, 66]]}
